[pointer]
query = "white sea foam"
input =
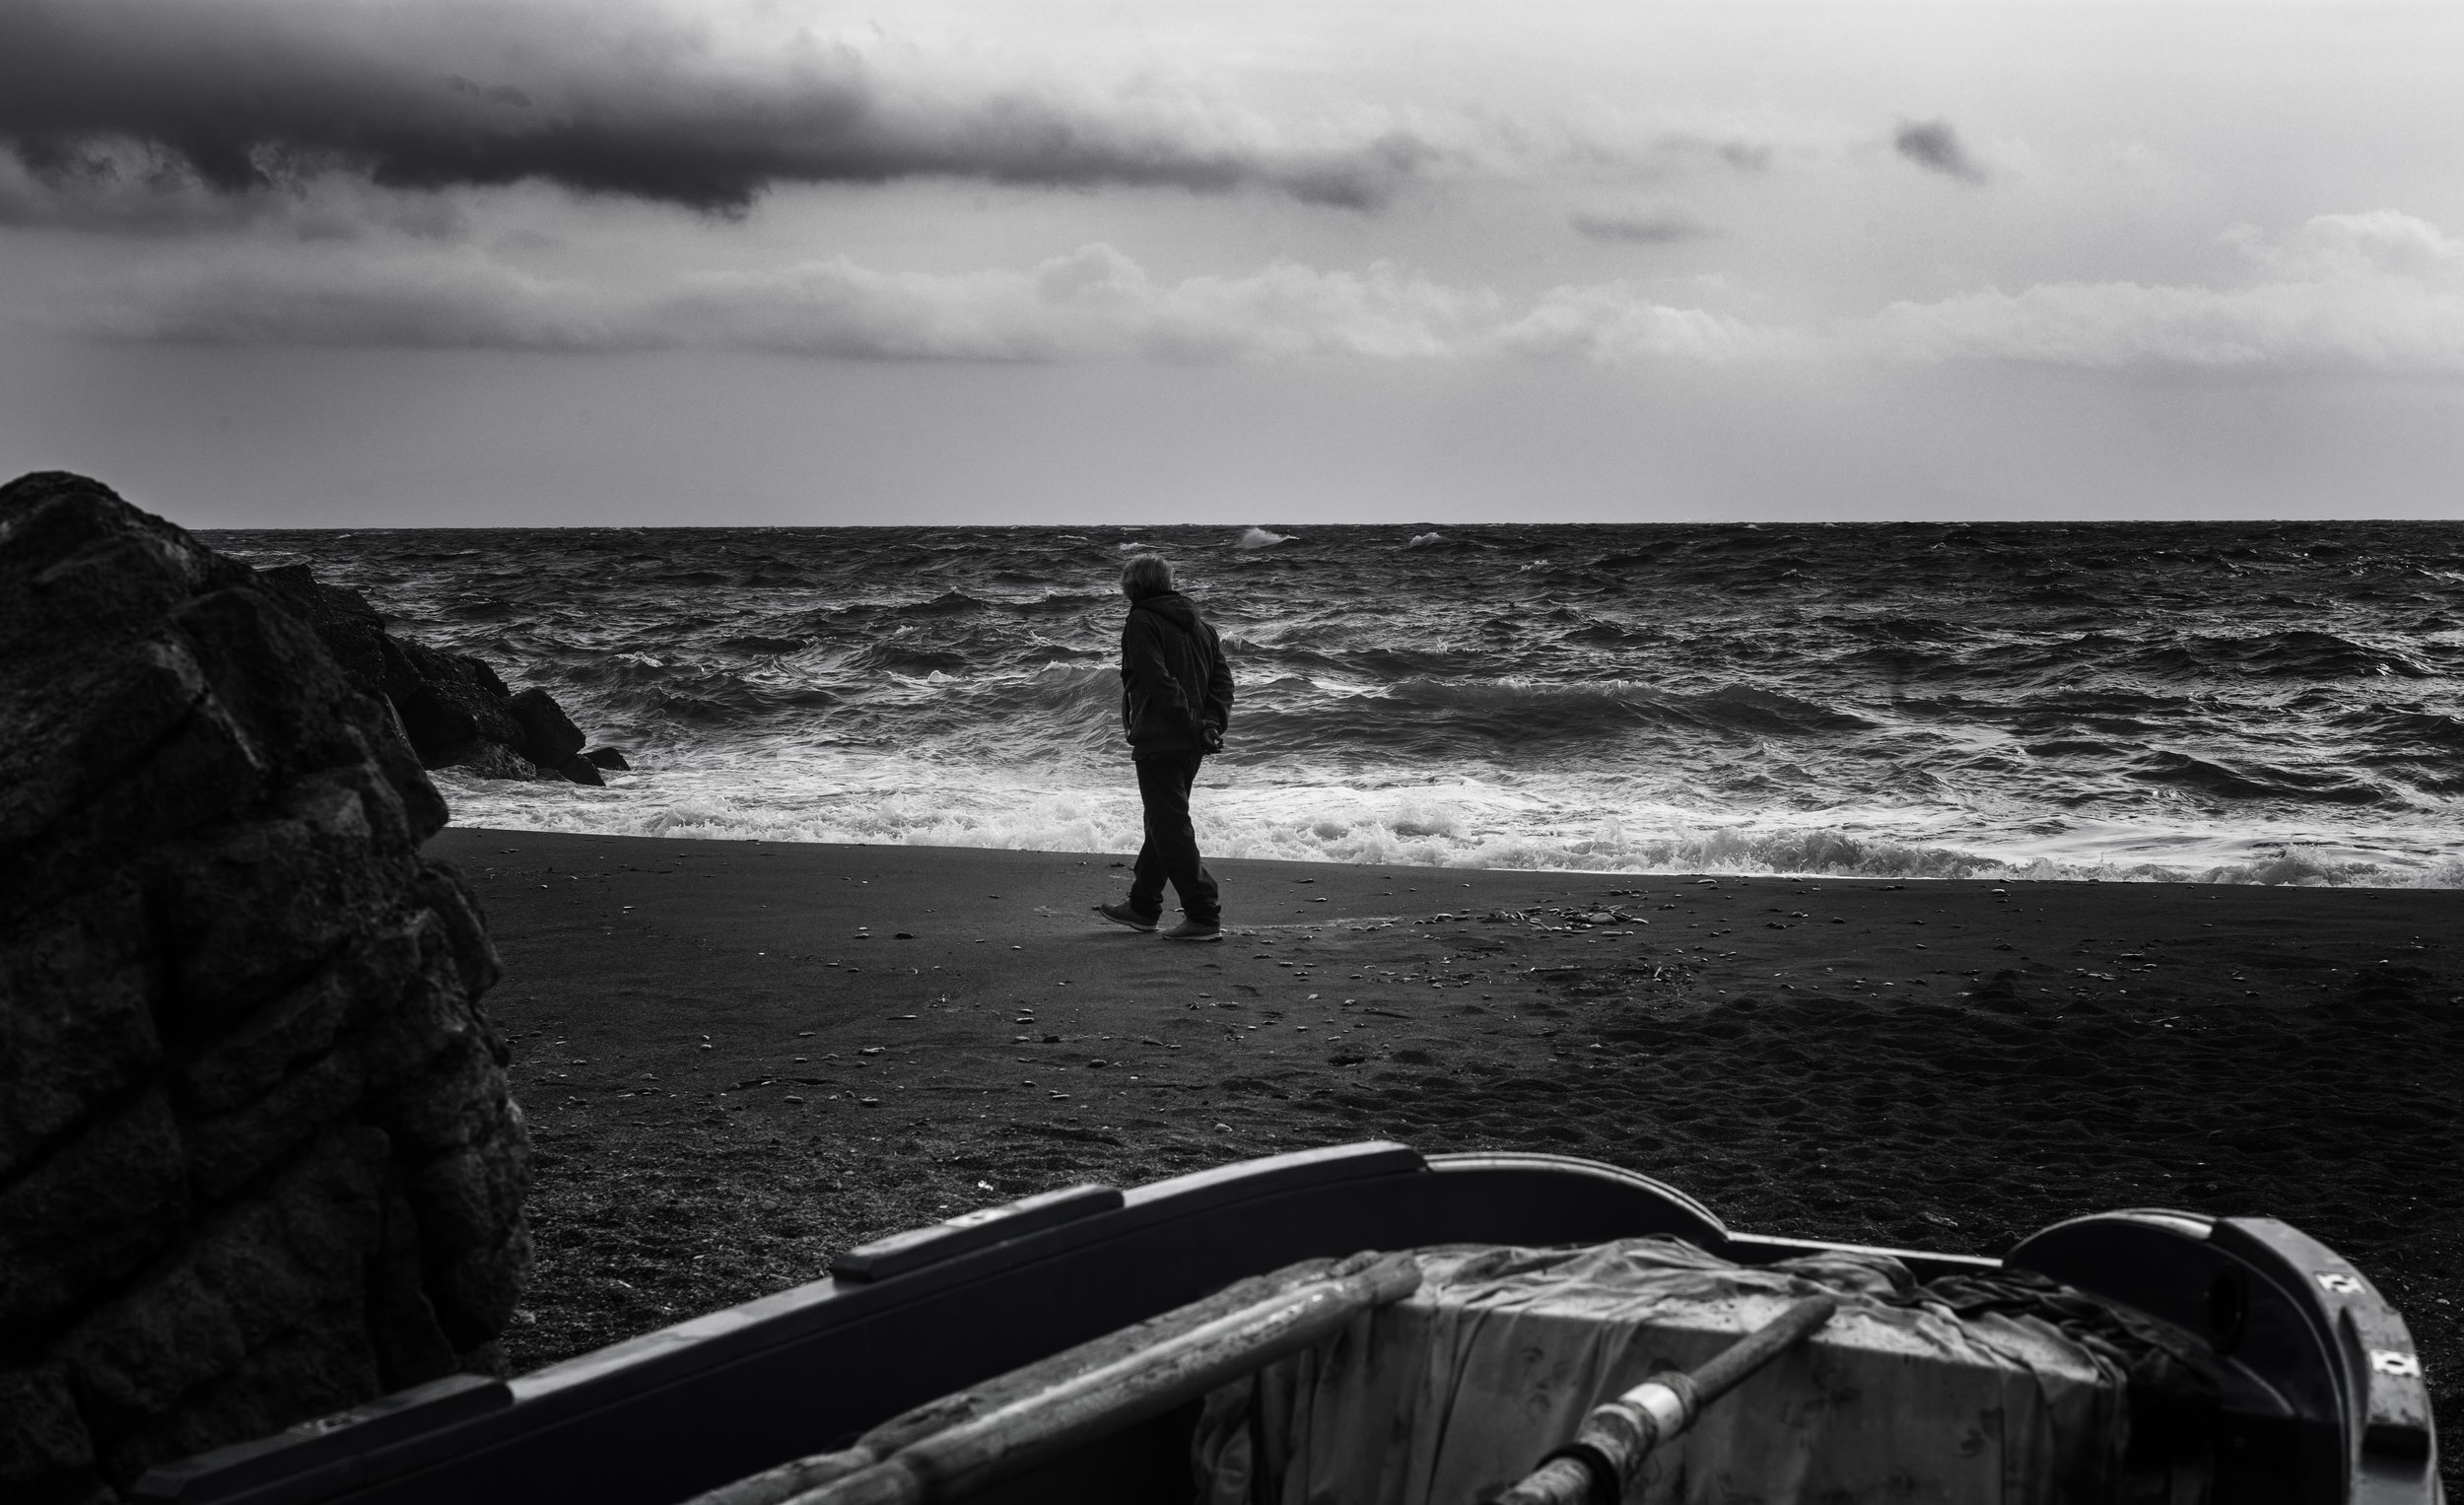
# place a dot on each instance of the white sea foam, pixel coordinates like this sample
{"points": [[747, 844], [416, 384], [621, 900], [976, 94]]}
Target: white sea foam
{"points": [[864, 796], [1261, 538]]}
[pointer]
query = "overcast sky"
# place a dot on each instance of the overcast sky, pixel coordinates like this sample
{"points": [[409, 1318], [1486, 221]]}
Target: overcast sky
{"points": [[330, 262]]}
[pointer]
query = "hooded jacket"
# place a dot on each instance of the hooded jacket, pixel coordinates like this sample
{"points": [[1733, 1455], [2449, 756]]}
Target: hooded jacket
{"points": [[1175, 686]]}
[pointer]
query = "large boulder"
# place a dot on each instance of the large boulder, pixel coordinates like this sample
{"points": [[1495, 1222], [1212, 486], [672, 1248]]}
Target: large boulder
{"points": [[350, 628], [257, 1156], [549, 737], [452, 708], [456, 707]]}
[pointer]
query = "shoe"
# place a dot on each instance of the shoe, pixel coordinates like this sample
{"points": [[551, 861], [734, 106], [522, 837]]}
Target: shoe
{"points": [[1122, 914], [1195, 930]]}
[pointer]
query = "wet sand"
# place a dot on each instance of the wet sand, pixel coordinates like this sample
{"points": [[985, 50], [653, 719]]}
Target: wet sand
{"points": [[738, 1058]]}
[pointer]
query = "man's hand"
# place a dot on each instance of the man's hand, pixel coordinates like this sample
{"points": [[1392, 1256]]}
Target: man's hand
{"points": [[1211, 738]]}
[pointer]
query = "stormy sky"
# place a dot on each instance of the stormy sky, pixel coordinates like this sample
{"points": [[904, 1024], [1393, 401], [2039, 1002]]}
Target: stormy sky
{"points": [[344, 263]]}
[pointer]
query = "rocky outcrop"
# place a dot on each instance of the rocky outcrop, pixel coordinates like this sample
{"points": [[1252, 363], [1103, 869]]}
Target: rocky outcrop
{"points": [[452, 708], [257, 1156]]}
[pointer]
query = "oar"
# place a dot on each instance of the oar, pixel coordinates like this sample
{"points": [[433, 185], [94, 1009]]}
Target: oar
{"points": [[1092, 1391], [1595, 1467]]}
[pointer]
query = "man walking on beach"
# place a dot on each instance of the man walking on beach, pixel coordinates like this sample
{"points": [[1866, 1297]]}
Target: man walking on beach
{"points": [[1176, 696]]}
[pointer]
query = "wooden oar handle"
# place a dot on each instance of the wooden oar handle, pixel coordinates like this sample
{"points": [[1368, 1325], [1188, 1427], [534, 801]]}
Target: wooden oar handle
{"points": [[1079, 1407], [1595, 1467], [1731, 1365]]}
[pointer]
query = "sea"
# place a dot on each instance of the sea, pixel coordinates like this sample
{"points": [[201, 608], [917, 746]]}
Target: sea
{"points": [[2239, 702]]}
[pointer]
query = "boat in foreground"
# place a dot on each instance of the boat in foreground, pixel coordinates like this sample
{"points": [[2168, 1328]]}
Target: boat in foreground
{"points": [[2321, 1397]]}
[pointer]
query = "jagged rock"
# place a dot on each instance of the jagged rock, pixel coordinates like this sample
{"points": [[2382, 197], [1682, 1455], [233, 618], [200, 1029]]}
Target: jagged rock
{"points": [[457, 705], [91, 1212], [257, 1157], [453, 708], [79, 1034], [549, 738], [49, 1438], [580, 771], [494, 759], [350, 628], [608, 757]]}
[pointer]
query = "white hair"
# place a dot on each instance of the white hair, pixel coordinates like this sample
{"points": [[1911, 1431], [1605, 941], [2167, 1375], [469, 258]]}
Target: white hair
{"points": [[1145, 573]]}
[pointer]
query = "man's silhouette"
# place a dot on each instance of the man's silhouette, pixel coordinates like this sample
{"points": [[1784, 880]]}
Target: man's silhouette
{"points": [[1176, 696]]}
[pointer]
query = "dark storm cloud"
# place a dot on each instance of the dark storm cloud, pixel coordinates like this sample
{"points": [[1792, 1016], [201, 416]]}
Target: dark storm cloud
{"points": [[1933, 146], [611, 99]]}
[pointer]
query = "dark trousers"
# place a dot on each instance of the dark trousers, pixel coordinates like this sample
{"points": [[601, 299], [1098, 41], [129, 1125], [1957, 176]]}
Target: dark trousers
{"points": [[1171, 849]]}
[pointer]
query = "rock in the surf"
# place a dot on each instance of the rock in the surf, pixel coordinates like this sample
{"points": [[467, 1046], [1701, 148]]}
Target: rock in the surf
{"points": [[456, 706], [549, 737], [453, 708], [258, 1159], [494, 759]]}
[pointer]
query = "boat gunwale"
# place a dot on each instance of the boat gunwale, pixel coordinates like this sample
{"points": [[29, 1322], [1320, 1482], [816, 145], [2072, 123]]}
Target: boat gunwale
{"points": [[388, 1441]]}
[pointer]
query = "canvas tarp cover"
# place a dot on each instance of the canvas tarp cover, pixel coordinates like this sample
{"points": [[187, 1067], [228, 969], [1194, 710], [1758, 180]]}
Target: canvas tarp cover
{"points": [[1446, 1398]]}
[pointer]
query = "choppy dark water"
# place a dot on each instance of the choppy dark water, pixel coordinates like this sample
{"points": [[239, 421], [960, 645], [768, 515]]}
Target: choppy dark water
{"points": [[2251, 701]]}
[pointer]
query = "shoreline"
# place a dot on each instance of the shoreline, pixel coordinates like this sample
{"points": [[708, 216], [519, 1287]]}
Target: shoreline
{"points": [[740, 1057], [2171, 880]]}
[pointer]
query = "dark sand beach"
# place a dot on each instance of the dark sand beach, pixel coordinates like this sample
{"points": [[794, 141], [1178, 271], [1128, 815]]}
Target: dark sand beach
{"points": [[738, 1058]]}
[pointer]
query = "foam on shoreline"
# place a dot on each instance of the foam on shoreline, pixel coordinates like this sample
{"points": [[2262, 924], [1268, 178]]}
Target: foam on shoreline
{"points": [[1463, 826], [1401, 832]]}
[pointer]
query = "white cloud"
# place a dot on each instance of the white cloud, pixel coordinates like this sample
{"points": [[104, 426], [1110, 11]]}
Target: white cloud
{"points": [[2382, 242], [1616, 323], [2379, 292], [1093, 303], [2375, 291]]}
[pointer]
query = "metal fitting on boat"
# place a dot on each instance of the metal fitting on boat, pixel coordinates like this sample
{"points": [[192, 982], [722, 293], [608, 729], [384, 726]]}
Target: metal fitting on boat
{"points": [[1667, 1400]]}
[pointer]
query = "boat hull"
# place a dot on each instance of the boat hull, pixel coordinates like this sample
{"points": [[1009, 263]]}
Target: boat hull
{"points": [[2330, 1404]]}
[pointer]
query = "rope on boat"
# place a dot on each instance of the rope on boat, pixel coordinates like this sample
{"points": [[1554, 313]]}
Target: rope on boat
{"points": [[1615, 1438]]}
